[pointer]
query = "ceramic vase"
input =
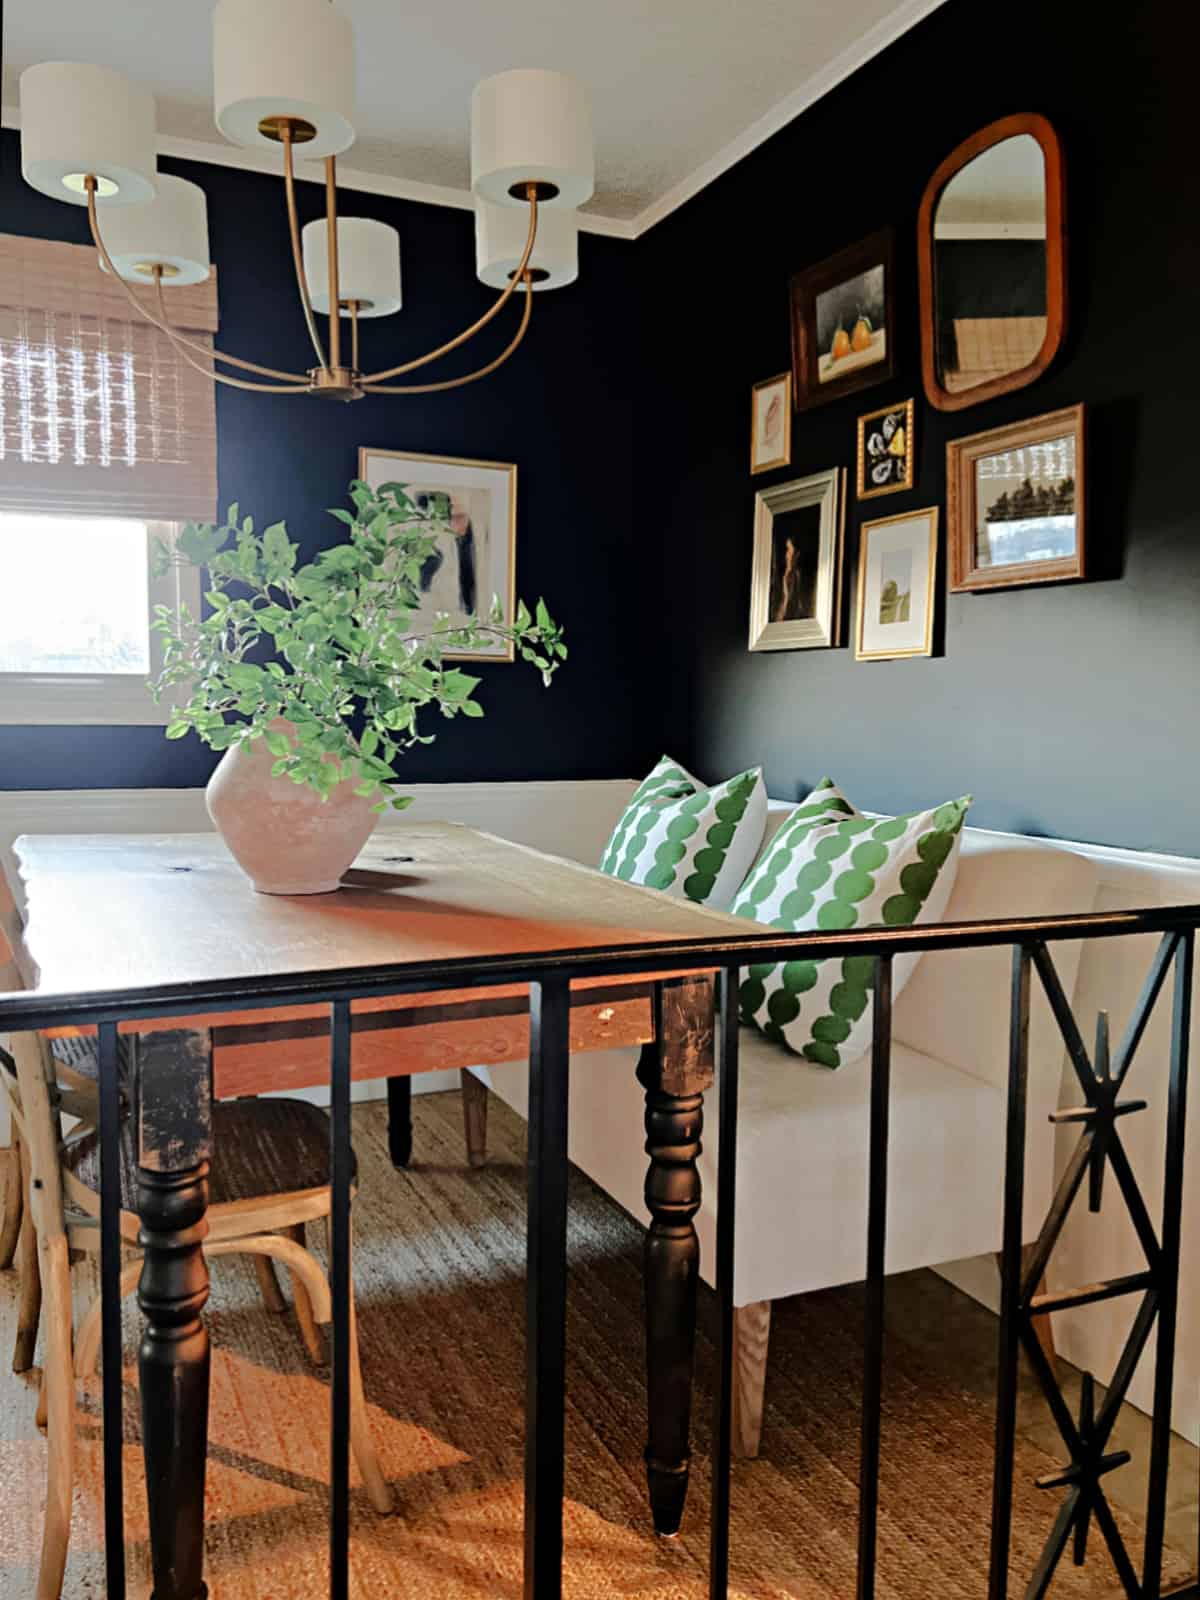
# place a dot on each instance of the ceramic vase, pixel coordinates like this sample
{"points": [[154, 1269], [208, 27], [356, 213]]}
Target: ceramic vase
{"points": [[285, 838]]}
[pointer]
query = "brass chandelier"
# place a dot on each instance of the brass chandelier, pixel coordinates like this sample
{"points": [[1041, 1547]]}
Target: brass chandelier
{"points": [[284, 80]]}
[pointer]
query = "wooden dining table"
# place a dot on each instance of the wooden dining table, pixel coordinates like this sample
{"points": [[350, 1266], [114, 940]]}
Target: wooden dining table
{"points": [[108, 914]]}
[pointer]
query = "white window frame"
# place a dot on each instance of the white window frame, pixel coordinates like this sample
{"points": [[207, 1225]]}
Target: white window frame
{"points": [[103, 699]]}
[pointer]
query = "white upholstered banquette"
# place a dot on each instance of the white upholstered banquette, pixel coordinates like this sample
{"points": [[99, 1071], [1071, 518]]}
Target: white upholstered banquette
{"points": [[802, 1161]]}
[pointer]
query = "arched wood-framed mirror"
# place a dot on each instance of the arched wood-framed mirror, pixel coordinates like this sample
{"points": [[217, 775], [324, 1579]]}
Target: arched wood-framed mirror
{"points": [[992, 243]]}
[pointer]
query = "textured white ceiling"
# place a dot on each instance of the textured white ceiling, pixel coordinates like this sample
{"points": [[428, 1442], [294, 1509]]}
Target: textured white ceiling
{"points": [[674, 83]]}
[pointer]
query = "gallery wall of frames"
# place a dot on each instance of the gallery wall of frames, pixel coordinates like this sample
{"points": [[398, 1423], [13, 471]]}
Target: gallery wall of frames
{"points": [[963, 545], [290, 458]]}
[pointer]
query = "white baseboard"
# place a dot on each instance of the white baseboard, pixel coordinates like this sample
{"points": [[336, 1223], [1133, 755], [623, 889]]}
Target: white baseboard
{"points": [[373, 1089]]}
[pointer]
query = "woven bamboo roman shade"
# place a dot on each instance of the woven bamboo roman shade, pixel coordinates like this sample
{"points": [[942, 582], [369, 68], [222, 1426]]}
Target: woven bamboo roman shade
{"points": [[98, 415]]}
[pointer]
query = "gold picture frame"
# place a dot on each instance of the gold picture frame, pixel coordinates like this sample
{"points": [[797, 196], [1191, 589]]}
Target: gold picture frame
{"points": [[1041, 461], [483, 560], [877, 451], [897, 586], [766, 425], [796, 572]]}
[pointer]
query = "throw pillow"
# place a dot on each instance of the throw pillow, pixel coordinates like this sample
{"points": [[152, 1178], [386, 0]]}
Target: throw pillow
{"points": [[688, 840], [831, 871]]}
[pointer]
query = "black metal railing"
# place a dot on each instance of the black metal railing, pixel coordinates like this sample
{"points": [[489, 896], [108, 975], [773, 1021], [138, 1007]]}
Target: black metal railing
{"points": [[167, 1293]]}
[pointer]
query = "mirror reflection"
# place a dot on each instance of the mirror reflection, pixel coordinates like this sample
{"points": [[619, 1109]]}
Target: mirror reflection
{"points": [[990, 265]]}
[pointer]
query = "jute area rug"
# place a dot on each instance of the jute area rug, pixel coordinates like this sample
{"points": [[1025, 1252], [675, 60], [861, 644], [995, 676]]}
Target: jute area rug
{"points": [[439, 1268]]}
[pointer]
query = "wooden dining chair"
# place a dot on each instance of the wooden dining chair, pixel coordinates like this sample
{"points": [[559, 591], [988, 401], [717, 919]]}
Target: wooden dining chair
{"points": [[269, 1179]]}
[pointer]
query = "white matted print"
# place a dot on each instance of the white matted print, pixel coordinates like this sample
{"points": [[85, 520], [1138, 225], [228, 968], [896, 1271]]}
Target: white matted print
{"points": [[771, 423], [897, 566], [475, 560]]}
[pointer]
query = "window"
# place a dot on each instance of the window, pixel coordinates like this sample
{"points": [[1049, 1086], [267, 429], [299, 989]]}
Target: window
{"points": [[75, 613], [107, 442]]}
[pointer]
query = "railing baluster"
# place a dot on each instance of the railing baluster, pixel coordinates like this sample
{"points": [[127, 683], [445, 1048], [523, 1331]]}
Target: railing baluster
{"points": [[546, 1285], [1010, 1271], [727, 1070], [877, 1182], [1168, 1290], [110, 1310], [339, 1280]]}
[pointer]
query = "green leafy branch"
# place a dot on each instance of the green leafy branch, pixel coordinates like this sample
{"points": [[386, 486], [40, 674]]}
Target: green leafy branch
{"points": [[329, 648]]}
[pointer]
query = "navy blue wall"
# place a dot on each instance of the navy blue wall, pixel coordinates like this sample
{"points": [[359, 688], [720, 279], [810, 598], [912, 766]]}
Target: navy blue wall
{"points": [[1069, 710], [561, 409]]}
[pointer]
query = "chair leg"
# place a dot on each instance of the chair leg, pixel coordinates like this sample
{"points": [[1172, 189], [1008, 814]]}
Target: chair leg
{"points": [[361, 1442], [268, 1285], [29, 1303], [302, 1300], [475, 1117], [751, 1335], [58, 1378], [13, 1205]]}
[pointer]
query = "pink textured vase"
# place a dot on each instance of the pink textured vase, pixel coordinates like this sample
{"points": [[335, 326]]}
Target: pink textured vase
{"points": [[285, 838]]}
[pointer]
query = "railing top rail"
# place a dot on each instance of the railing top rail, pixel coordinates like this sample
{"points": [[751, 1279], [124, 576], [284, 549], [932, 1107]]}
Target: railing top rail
{"points": [[33, 1009]]}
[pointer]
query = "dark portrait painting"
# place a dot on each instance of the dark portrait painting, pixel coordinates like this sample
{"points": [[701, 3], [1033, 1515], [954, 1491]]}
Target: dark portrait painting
{"points": [[795, 552]]}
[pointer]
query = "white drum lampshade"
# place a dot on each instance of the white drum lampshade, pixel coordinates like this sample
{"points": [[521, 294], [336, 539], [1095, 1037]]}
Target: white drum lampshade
{"points": [[368, 265], [284, 58], [170, 232], [500, 235], [530, 126], [78, 119]]}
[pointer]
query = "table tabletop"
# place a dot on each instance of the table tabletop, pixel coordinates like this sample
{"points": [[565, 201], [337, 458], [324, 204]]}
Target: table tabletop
{"points": [[110, 912]]}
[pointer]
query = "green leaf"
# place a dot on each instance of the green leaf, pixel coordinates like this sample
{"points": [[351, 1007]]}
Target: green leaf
{"points": [[471, 708]]}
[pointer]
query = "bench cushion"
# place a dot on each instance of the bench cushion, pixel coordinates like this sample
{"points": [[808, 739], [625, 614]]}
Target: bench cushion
{"points": [[802, 1161]]}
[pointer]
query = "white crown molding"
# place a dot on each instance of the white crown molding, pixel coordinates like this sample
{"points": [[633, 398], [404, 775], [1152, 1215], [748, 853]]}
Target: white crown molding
{"points": [[884, 33]]}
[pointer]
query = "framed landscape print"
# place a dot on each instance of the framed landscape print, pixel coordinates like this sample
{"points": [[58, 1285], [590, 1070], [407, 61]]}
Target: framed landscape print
{"points": [[897, 569], [886, 449], [796, 576], [1015, 500], [771, 423], [843, 322], [476, 556]]}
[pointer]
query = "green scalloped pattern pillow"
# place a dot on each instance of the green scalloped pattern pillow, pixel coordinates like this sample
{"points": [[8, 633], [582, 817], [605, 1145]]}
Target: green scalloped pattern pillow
{"points": [[697, 844], [842, 872]]}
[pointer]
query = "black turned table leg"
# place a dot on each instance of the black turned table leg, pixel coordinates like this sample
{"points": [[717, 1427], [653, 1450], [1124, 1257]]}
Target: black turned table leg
{"points": [[674, 1071], [400, 1138], [174, 1145]]}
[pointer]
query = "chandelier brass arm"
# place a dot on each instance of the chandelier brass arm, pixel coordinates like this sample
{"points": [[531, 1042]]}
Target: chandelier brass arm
{"points": [[469, 333], [182, 350], [329, 377], [470, 377], [289, 186], [174, 334]]}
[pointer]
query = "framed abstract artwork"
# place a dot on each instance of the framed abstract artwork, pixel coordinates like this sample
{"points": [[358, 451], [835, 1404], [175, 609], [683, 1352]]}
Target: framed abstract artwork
{"points": [[886, 450], [771, 423], [1015, 501], [475, 559], [897, 571], [843, 322], [796, 572]]}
